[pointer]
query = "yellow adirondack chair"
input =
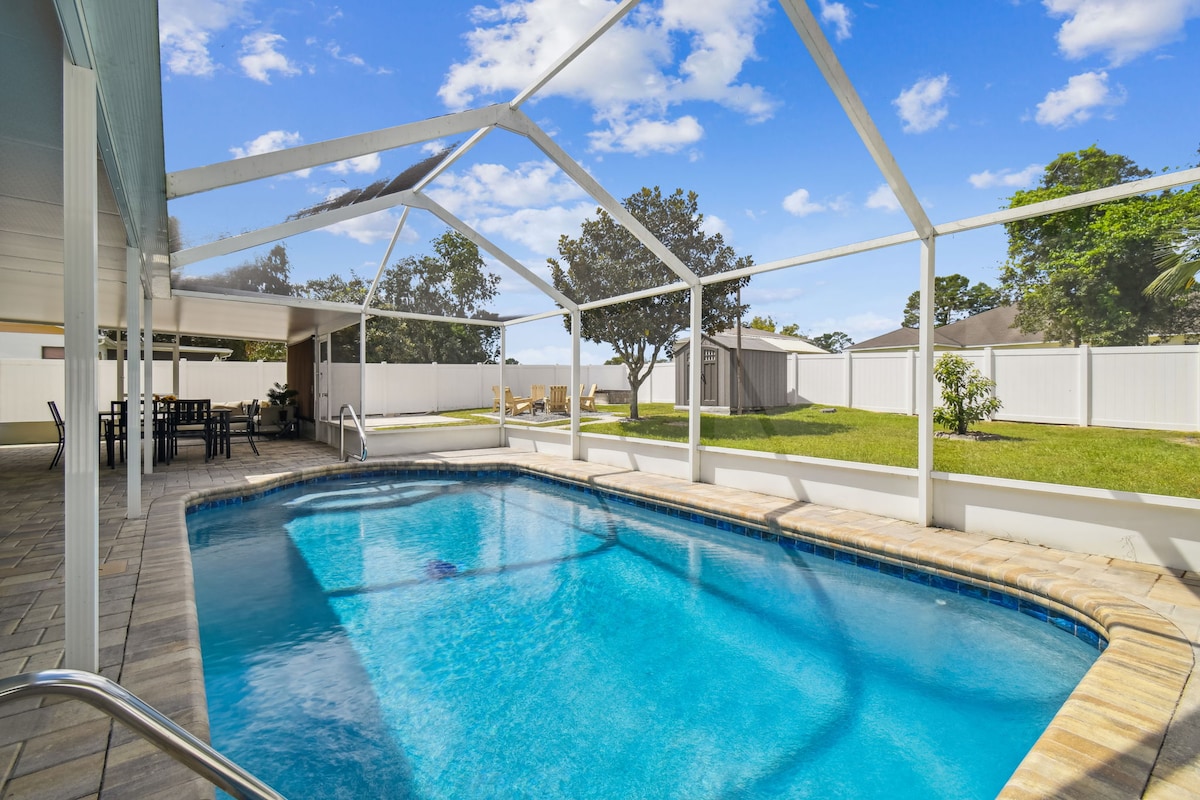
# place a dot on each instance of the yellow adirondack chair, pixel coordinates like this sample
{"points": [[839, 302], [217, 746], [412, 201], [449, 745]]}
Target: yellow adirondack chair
{"points": [[587, 402], [516, 405], [495, 398], [558, 399]]}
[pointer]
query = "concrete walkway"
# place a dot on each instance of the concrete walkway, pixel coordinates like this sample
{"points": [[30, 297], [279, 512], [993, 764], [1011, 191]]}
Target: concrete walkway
{"points": [[1131, 728]]}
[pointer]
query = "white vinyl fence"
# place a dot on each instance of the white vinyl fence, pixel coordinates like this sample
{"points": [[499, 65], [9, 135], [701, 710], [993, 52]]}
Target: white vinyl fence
{"points": [[414, 388], [1117, 387]]}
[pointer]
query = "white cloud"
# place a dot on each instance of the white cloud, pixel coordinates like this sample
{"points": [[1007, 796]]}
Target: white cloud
{"points": [[839, 16], [1075, 102], [538, 229], [364, 165], [632, 77], [883, 198], [858, 327], [260, 57], [922, 106], [335, 50], [1006, 177], [368, 229], [713, 225], [269, 142], [647, 136], [799, 204], [487, 190], [1120, 29], [185, 28]]}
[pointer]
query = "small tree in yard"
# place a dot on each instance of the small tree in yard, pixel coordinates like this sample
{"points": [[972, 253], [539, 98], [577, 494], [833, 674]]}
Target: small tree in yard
{"points": [[966, 393]]}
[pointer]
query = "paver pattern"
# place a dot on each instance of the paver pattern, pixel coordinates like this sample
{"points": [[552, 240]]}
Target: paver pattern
{"points": [[1131, 728]]}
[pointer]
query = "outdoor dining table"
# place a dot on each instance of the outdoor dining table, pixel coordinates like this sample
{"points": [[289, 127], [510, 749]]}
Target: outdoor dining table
{"points": [[109, 423]]}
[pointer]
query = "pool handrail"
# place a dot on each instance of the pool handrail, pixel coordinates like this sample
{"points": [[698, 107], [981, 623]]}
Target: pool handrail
{"points": [[122, 705], [362, 437]]}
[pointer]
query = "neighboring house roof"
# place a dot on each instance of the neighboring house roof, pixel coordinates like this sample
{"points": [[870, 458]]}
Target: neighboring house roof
{"points": [[993, 328], [755, 339]]}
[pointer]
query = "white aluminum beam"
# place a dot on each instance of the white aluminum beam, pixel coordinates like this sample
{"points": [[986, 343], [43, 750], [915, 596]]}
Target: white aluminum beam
{"points": [[449, 160], [576, 329], [522, 124], [272, 300], [241, 170], [925, 386], [812, 258], [272, 233], [429, 204], [387, 312], [1073, 201], [613, 17], [827, 62], [133, 349], [558, 312], [362, 375], [670, 288], [383, 261], [695, 355], [81, 254]]}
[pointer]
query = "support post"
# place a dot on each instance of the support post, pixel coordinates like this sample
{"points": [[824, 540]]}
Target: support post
{"points": [[576, 324], [175, 368], [503, 406], [1085, 385], [148, 385], [362, 369], [925, 388], [696, 357], [848, 378], [133, 428], [81, 513], [910, 382]]}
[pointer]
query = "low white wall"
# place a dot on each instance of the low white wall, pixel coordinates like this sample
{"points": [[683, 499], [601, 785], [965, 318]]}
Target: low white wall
{"points": [[644, 455], [424, 440], [1150, 529], [556, 442], [887, 491]]}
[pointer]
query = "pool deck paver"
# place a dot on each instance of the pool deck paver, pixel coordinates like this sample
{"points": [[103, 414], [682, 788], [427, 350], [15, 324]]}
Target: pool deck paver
{"points": [[1130, 729]]}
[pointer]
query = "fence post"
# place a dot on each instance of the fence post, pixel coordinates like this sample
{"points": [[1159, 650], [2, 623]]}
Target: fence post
{"points": [[910, 381], [1085, 385], [989, 371], [849, 379]]}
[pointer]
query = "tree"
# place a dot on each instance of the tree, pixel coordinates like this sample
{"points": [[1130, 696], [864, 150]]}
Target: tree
{"points": [[967, 395], [269, 274], [834, 342], [954, 298], [451, 283], [606, 260], [763, 324], [1079, 276], [790, 330], [1179, 260]]}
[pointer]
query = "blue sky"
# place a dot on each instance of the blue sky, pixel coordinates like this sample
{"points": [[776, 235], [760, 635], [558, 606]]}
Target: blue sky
{"points": [[719, 97]]}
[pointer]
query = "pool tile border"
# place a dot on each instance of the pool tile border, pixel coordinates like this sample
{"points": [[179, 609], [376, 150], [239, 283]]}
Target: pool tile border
{"points": [[1106, 738]]}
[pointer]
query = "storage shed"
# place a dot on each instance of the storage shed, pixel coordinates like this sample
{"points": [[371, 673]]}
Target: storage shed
{"points": [[764, 368]]}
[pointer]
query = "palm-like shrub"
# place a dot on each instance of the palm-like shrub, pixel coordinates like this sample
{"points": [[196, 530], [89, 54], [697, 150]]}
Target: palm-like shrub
{"points": [[966, 395]]}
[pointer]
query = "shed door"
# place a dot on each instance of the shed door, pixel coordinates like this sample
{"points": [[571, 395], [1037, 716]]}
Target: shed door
{"points": [[708, 377]]}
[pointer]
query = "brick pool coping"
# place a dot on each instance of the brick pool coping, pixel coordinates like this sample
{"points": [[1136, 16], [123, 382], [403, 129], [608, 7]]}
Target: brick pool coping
{"points": [[1130, 728]]}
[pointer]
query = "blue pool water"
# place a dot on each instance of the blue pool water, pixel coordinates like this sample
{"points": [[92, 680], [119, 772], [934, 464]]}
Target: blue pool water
{"points": [[501, 637]]}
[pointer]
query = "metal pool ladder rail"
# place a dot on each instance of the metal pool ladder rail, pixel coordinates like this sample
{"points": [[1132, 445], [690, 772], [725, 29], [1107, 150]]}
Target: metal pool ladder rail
{"points": [[362, 437], [120, 704]]}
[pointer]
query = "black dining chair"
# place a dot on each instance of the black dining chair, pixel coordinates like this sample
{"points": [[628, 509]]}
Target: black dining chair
{"points": [[192, 419], [62, 432], [243, 424]]}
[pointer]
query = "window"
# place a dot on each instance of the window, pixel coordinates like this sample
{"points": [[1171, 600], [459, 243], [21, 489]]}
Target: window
{"points": [[54, 352]]}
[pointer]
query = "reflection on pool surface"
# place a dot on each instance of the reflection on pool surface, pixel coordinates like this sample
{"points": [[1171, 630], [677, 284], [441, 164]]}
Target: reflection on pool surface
{"points": [[505, 637]]}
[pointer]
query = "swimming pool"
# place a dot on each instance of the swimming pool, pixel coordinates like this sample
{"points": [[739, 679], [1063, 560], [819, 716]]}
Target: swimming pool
{"points": [[503, 637]]}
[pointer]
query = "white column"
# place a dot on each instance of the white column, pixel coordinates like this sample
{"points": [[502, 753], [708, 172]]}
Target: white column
{"points": [[81, 514], [1085, 385], [148, 384], [925, 388], [503, 407], [576, 324], [133, 324], [362, 368], [175, 367], [696, 352]]}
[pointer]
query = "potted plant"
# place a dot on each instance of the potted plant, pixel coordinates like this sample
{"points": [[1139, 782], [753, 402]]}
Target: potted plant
{"points": [[274, 415]]}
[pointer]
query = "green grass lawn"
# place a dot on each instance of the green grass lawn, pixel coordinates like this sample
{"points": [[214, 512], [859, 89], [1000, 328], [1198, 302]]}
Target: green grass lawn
{"points": [[1157, 462]]}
